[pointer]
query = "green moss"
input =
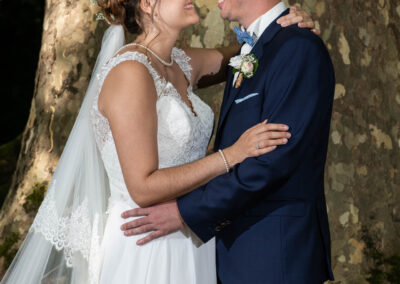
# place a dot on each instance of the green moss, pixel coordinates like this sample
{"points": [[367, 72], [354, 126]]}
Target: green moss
{"points": [[4, 188], [383, 268], [8, 161], [6, 249], [33, 200], [394, 272]]}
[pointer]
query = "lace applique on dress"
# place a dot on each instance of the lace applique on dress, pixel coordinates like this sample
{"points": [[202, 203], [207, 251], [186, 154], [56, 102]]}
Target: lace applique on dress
{"points": [[182, 60]]}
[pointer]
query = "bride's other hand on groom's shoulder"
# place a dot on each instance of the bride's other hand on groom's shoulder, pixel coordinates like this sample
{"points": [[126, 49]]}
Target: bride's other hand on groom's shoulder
{"points": [[300, 17]]}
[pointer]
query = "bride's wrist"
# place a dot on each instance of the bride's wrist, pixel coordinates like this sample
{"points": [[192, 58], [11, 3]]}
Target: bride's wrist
{"points": [[230, 157]]}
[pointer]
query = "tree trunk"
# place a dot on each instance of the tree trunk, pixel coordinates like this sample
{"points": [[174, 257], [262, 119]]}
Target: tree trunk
{"points": [[70, 43]]}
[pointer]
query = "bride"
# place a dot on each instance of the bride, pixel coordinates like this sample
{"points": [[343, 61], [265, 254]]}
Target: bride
{"points": [[140, 139]]}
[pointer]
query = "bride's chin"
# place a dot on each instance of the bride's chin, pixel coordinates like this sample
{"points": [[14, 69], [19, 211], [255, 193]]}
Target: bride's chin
{"points": [[189, 24], [187, 21], [194, 20], [192, 15]]}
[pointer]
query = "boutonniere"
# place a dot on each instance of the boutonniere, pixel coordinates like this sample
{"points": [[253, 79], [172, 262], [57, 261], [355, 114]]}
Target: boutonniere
{"points": [[246, 65]]}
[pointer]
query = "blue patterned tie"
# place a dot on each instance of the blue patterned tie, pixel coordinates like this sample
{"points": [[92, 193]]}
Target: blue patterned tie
{"points": [[244, 37]]}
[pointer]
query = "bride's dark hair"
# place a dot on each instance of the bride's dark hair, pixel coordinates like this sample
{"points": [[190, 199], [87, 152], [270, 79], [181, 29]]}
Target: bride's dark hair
{"points": [[123, 12]]}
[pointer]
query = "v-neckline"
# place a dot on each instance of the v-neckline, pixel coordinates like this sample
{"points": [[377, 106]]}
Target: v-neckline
{"points": [[166, 82], [189, 107]]}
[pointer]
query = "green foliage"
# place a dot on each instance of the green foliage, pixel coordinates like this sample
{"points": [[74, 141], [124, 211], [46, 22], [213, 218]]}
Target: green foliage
{"points": [[33, 200], [384, 269], [6, 248]]}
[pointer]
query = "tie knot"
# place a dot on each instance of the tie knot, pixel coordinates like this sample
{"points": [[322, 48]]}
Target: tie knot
{"points": [[244, 36]]}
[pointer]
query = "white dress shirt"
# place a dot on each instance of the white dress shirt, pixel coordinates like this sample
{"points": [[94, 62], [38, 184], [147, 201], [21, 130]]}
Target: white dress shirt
{"points": [[259, 26]]}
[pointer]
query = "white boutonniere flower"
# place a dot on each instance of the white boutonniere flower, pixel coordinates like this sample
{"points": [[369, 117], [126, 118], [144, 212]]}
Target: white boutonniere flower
{"points": [[246, 65]]}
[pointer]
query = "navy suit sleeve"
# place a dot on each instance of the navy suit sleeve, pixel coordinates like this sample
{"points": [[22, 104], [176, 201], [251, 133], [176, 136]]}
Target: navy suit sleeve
{"points": [[300, 88]]}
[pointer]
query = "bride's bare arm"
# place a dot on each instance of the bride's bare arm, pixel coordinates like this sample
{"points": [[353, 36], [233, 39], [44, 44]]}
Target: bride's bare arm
{"points": [[210, 64], [128, 100]]}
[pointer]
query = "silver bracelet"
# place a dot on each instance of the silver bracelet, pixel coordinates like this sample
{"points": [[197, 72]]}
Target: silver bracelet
{"points": [[225, 161]]}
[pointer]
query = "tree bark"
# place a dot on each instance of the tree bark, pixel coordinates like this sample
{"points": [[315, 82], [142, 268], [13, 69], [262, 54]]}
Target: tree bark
{"points": [[362, 171], [70, 43]]}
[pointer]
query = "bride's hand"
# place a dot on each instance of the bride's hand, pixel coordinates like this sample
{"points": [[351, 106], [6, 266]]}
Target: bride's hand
{"points": [[300, 17], [256, 141]]}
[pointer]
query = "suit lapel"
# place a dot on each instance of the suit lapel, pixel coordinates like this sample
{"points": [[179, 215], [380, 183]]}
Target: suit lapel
{"points": [[229, 95], [258, 50], [224, 105]]}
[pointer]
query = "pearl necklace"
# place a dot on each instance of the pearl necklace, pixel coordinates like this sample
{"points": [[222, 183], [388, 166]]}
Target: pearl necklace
{"points": [[169, 64]]}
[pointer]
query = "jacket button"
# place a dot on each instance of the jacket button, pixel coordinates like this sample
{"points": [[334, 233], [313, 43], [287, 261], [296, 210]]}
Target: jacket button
{"points": [[218, 228]]}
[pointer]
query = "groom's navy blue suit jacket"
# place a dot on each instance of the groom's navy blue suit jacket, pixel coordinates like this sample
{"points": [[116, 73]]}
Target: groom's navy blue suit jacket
{"points": [[269, 214]]}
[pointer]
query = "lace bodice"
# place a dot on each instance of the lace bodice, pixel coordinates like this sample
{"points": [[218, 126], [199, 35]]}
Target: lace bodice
{"points": [[182, 136]]}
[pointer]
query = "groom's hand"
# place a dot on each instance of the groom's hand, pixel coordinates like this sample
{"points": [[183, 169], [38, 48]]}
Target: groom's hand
{"points": [[161, 220]]}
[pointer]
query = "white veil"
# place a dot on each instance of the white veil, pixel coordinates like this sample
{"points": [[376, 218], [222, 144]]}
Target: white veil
{"points": [[63, 243]]}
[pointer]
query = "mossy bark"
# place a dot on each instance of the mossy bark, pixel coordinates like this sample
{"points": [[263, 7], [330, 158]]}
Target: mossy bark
{"points": [[8, 160]]}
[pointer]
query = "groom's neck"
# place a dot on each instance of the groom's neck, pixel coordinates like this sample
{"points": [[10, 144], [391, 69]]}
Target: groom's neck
{"points": [[255, 9]]}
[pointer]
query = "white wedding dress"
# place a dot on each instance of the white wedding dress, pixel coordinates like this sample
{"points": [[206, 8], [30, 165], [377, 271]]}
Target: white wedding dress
{"points": [[183, 137]]}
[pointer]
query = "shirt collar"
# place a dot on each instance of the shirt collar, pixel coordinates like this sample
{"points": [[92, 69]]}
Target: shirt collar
{"points": [[261, 23]]}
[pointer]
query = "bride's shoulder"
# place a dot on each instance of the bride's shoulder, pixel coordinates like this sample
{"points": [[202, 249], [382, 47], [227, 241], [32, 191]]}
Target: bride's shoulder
{"points": [[127, 61], [127, 67], [126, 81], [127, 49], [129, 53]]}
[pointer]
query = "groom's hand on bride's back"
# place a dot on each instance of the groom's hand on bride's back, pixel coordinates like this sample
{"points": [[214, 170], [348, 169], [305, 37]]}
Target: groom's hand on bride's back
{"points": [[160, 220]]}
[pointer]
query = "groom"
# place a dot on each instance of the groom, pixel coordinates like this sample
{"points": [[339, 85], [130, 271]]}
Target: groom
{"points": [[268, 214]]}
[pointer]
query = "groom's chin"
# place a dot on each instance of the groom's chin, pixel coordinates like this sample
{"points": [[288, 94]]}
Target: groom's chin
{"points": [[223, 12], [221, 8]]}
